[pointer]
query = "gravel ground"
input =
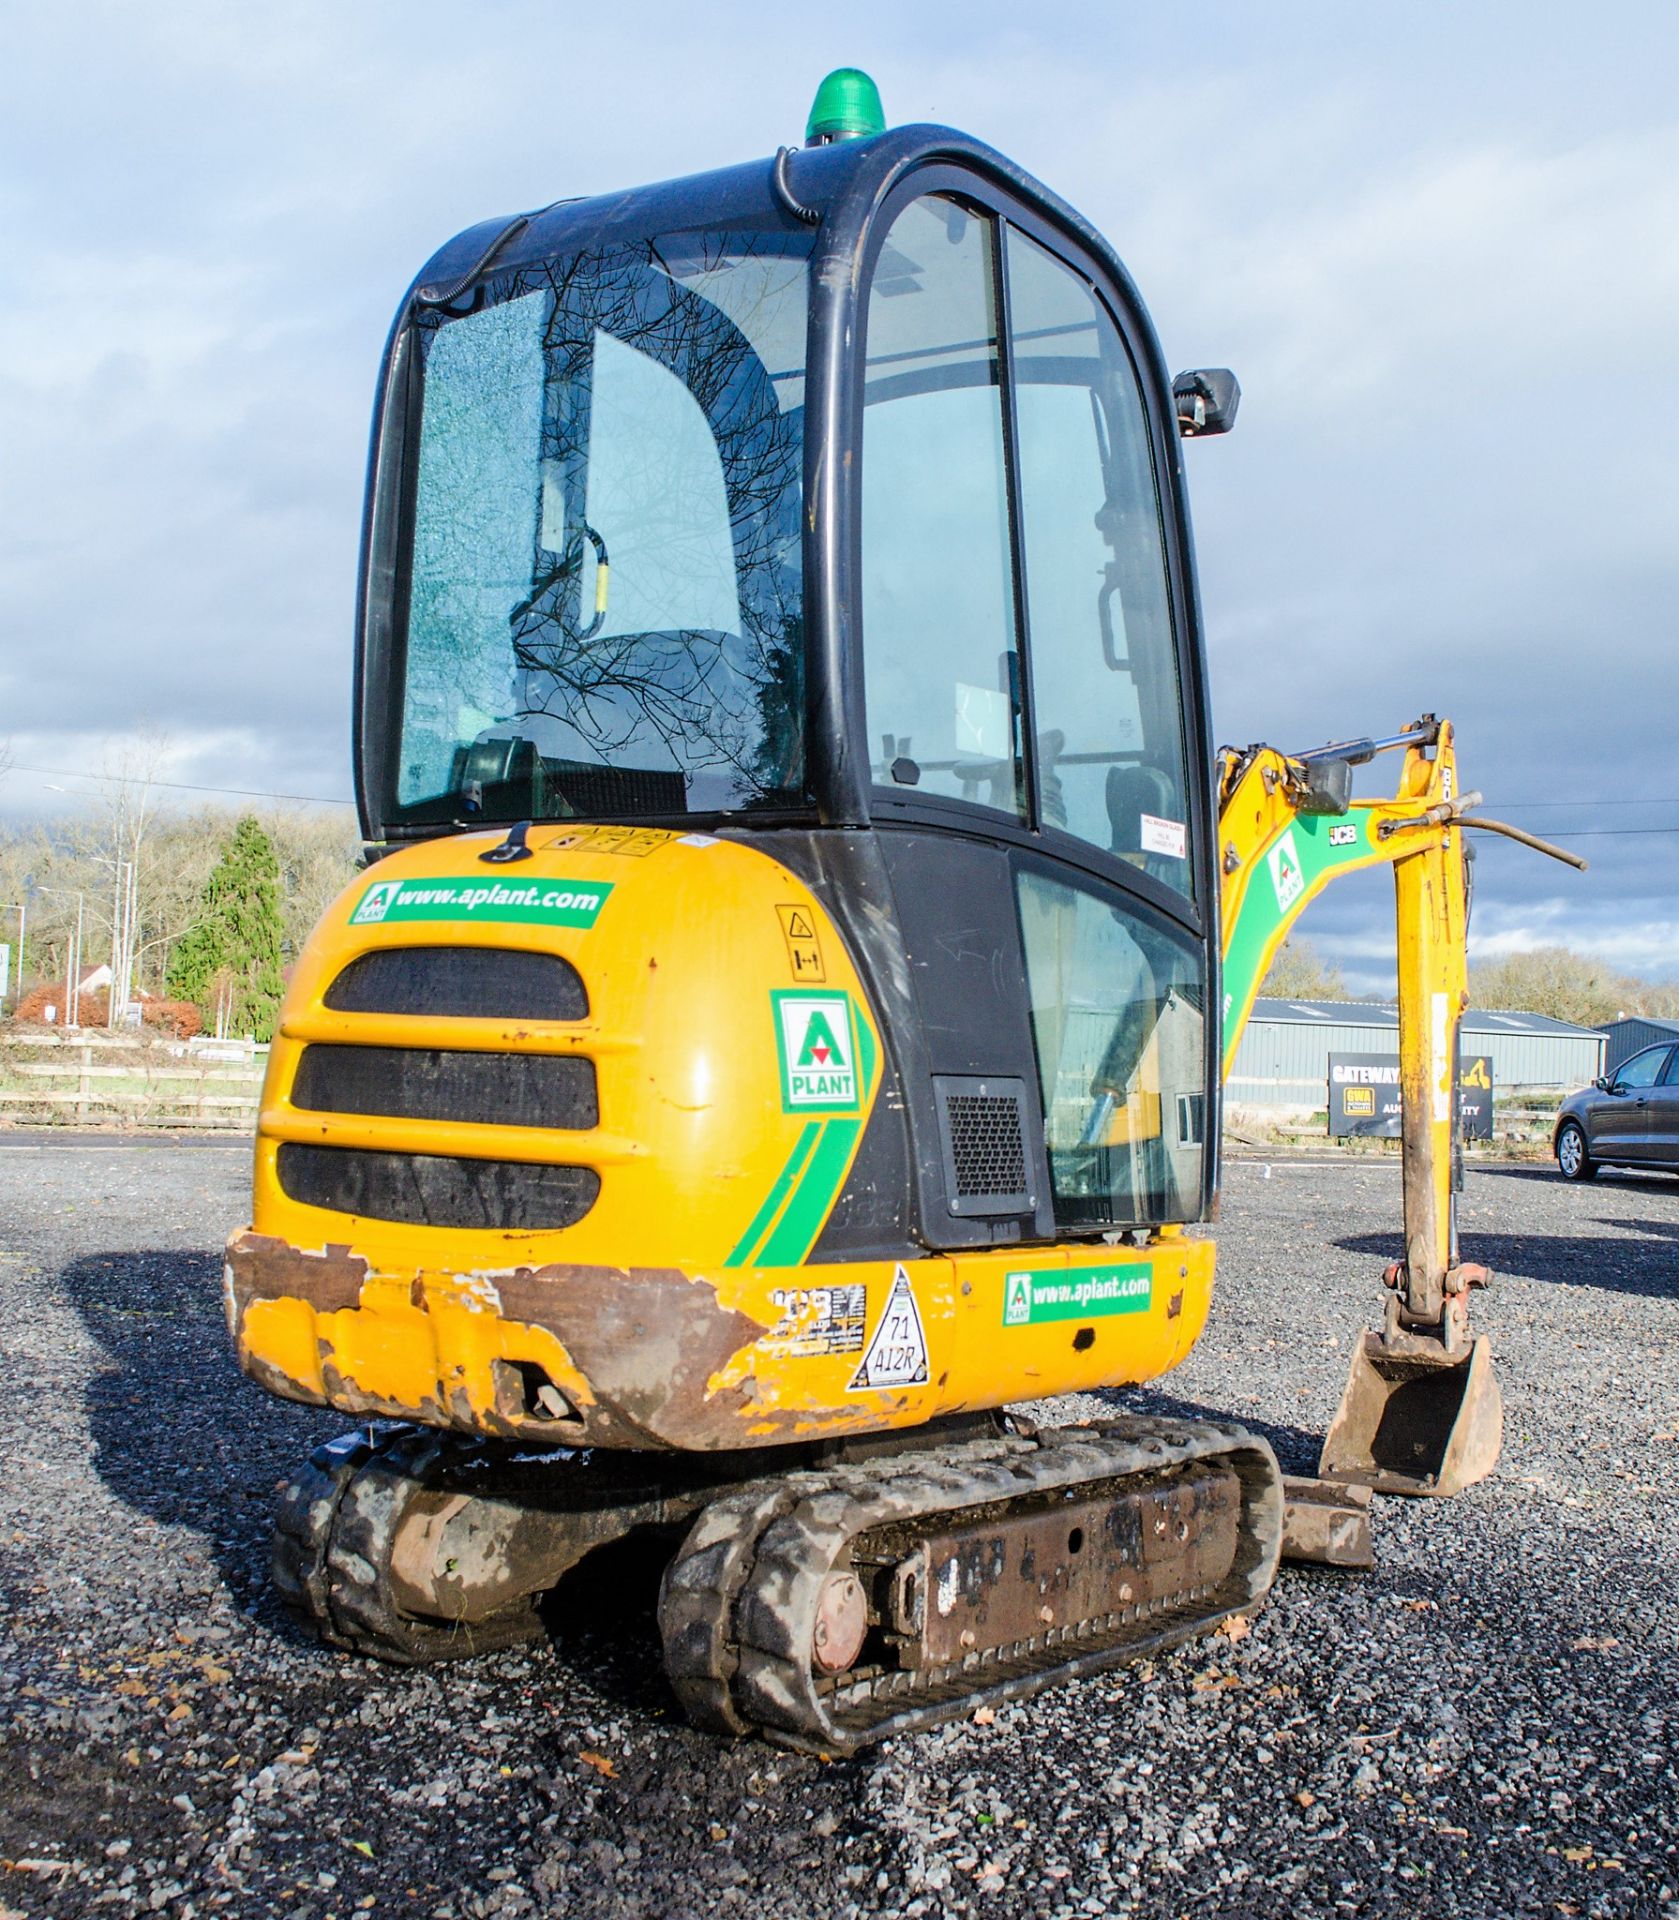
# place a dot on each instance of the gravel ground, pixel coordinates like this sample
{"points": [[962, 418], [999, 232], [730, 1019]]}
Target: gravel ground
{"points": [[1484, 1726]]}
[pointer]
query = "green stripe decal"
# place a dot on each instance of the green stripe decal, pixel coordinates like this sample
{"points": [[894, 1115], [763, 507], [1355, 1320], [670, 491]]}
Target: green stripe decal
{"points": [[865, 1056], [784, 1180], [814, 1173], [1291, 869], [813, 1199]]}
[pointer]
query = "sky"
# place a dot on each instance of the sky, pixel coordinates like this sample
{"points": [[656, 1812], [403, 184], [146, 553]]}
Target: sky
{"points": [[1439, 243]]}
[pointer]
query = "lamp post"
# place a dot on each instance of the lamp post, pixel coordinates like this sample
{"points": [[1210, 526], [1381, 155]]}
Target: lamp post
{"points": [[73, 959], [125, 915]]}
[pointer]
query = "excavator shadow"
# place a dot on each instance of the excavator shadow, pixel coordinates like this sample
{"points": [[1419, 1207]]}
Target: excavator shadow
{"points": [[603, 1617], [1295, 1448], [176, 1437], [178, 1441], [1639, 1257]]}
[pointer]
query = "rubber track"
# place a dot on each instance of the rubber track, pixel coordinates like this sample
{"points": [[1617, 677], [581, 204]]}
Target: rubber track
{"points": [[333, 1534], [739, 1601]]}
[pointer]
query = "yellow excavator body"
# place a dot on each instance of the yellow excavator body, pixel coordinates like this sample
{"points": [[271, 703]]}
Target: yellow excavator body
{"points": [[733, 1059]]}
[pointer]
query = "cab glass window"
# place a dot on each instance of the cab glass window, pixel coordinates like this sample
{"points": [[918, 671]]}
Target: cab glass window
{"points": [[1118, 1013], [941, 669], [1105, 673], [604, 612]]}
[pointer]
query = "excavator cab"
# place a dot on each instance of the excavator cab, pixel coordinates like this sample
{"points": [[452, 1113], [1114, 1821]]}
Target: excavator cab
{"points": [[834, 506]]}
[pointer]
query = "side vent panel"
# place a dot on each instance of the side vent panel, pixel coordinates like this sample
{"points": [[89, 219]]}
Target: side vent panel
{"points": [[983, 1129]]}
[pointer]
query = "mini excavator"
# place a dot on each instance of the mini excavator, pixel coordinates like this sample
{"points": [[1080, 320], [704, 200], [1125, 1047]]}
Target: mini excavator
{"points": [[781, 1024]]}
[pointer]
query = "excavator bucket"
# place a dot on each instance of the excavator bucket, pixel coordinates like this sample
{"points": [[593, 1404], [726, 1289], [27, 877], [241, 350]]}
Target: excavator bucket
{"points": [[1415, 1421]]}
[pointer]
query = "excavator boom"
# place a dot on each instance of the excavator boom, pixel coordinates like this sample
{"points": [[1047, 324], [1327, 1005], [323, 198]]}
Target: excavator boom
{"points": [[1421, 1412]]}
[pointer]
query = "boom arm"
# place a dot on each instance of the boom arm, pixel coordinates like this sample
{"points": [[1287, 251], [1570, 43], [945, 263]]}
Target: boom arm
{"points": [[1286, 830], [1287, 827]]}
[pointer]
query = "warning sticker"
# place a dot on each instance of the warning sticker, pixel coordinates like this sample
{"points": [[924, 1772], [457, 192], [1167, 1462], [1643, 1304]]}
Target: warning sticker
{"points": [[818, 1320], [1077, 1293], [634, 842], [1168, 837], [817, 1045], [1286, 877], [804, 948], [897, 1355], [554, 903]]}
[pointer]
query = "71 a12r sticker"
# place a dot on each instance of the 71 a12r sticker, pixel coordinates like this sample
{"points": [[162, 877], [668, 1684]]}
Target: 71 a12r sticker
{"points": [[897, 1355]]}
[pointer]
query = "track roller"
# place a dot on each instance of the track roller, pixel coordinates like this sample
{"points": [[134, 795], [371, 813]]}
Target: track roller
{"points": [[981, 1572], [337, 1534]]}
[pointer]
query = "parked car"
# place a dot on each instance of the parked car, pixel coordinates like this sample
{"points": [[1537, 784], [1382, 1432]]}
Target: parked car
{"points": [[1629, 1118]]}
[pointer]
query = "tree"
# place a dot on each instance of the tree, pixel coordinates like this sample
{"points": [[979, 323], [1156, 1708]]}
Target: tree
{"points": [[1297, 973], [1567, 986], [232, 953]]}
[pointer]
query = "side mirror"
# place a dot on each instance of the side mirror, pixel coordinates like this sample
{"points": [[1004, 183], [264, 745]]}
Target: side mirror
{"points": [[1206, 400], [1602, 1083]]}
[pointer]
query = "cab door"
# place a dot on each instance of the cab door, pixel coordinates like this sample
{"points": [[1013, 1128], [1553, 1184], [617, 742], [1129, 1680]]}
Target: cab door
{"points": [[1033, 705], [1664, 1115]]}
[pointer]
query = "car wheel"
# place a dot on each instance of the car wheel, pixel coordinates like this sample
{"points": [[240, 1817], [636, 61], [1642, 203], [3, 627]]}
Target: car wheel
{"points": [[1576, 1163]]}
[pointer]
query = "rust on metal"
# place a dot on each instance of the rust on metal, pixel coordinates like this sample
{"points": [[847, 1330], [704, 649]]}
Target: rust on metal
{"points": [[647, 1340], [261, 1267], [842, 1623], [1002, 1577], [1326, 1523]]}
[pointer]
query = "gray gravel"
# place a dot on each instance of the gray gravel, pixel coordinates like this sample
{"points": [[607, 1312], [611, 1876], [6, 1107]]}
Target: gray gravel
{"points": [[1485, 1726]]}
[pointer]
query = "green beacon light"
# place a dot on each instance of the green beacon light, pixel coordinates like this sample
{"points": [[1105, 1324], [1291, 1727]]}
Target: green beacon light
{"points": [[847, 107]]}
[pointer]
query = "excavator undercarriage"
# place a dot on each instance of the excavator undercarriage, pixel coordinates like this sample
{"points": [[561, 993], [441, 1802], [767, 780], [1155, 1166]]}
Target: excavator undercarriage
{"points": [[825, 1604]]}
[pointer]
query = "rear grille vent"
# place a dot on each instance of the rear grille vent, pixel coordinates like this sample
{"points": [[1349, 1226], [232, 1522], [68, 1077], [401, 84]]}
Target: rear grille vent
{"points": [[983, 1130], [437, 1190], [432, 1083], [462, 983]]}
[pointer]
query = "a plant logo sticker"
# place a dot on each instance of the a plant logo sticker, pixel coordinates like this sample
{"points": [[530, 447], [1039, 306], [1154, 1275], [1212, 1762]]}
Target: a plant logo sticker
{"points": [[1286, 877], [376, 902], [897, 1355], [816, 1040], [552, 903]]}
